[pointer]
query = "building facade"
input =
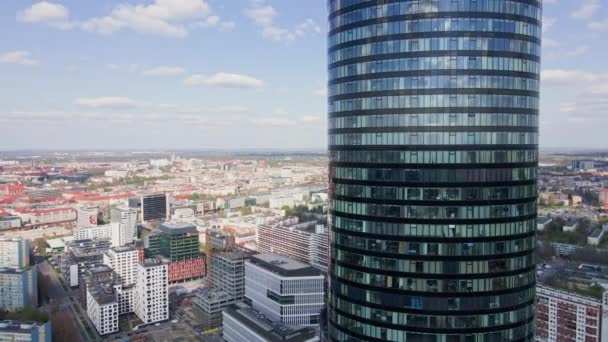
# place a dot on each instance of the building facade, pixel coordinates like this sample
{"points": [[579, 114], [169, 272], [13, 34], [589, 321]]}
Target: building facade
{"points": [[151, 291], [563, 316], [284, 290], [25, 331], [123, 260], [14, 253], [124, 225], [18, 288], [433, 145], [306, 242], [102, 309], [228, 273]]}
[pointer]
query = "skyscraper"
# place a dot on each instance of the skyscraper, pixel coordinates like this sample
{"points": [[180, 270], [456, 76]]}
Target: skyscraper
{"points": [[433, 140]]}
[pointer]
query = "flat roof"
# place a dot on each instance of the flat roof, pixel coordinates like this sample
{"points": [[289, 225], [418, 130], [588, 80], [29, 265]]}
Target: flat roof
{"points": [[273, 332], [284, 266], [177, 228], [19, 326]]}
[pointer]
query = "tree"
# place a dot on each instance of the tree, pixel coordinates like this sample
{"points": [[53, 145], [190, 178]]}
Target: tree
{"points": [[40, 245]]}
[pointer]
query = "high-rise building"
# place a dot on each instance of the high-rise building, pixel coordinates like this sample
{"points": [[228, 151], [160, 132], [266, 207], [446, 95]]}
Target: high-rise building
{"points": [[151, 291], [153, 207], [102, 308], [284, 290], [306, 241], [93, 275], [566, 316], [87, 216], [14, 253], [123, 260], [178, 245], [18, 288], [433, 145], [124, 226], [80, 255]]}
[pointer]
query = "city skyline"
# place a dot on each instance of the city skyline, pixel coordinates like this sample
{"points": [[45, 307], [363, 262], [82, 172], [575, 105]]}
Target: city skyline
{"points": [[114, 75]]}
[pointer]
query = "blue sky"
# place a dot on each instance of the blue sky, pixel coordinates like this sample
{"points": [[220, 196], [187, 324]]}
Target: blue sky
{"points": [[231, 74]]}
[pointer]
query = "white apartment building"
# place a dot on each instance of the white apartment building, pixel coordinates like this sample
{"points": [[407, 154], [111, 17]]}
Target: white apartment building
{"points": [[14, 253], [151, 291], [123, 260], [284, 290], [102, 310], [93, 232], [125, 296], [87, 216], [124, 226]]}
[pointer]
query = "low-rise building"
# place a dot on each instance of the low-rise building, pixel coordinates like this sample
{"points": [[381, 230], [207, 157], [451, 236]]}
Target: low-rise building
{"points": [[25, 331], [9, 222], [242, 323], [542, 222]]}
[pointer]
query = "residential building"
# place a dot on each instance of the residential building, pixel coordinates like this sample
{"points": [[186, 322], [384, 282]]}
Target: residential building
{"points": [[242, 323], [123, 260], [284, 290], [80, 255], [87, 216], [18, 288], [433, 153], [307, 242], [25, 331], [124, 226], [14, 253], [90, 232], [566, 316], [151, 291], [93, 275], [178, 245], [603, 196], [102, 308], [9, 222]]}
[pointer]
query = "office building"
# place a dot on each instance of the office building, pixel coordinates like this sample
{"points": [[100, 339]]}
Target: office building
{"points": [[433, 147], [208, 305], [284, 290], [220, 240], [124, 226], [226, 282], [152, 207], [242, 323], [227, 272], [25, 331], [307, 242], [178, 245], [566, 316], [18, 288], [151, 291], [14, 253]]}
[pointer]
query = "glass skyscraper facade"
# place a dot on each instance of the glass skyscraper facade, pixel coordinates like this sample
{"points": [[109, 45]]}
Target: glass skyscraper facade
{"points": [[433, 140]]}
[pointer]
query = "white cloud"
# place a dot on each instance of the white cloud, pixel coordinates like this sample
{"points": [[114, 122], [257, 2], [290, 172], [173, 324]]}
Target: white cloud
{"points": [[17, 57], [112, 66], [578, 51], [311, 119], [170, 18], [224, 80], [263, 15], [548, 22], [560, 76], [550, 43], [106, 102], [44, 11], [587, 9], [164, 71], [599, 25], [321, 91]]}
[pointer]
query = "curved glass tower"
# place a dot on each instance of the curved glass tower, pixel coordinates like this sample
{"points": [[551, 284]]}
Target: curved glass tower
{"points": [[433, 140]]}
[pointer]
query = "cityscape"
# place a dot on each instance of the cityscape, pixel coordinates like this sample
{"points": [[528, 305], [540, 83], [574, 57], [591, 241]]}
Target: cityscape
{"points": [[319, 171]]}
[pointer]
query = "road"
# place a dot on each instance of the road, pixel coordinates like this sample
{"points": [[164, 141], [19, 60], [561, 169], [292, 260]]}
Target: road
{"points": [[67, 301]]}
